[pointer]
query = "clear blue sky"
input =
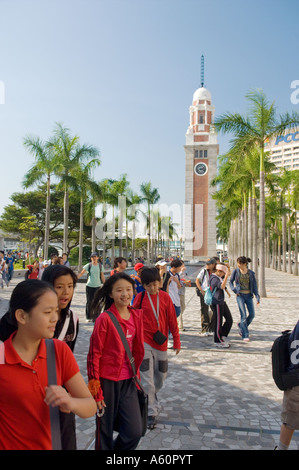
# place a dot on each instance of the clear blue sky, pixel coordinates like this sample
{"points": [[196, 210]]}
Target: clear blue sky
{"points": [[121, 74]]}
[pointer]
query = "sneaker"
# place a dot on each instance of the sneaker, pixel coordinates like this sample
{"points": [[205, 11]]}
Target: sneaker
{"points": [[246, 340], [222, 345], [151, 422], [225, 339], [205, 333]]}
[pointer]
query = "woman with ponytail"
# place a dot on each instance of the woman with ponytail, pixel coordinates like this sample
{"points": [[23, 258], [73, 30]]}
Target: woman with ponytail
{"points": [[243, 284]]}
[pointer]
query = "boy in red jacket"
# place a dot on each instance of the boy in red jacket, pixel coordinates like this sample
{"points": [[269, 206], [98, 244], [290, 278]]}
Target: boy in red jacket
{"points": [[159, 318]]}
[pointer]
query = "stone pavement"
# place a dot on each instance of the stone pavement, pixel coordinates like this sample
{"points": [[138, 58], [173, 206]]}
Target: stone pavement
{"points": [[212, 399]]}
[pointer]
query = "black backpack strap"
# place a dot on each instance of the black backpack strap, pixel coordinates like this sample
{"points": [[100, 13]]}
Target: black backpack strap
{"points": [[142, 297], [54, 410]]}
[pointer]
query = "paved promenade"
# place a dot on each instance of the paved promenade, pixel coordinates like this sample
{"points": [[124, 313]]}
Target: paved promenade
{"points": [[212, 399]]}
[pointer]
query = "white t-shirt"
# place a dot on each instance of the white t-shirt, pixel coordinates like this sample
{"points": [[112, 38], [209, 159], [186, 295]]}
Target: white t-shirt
{"points": [[174, 290], [204, 278]]}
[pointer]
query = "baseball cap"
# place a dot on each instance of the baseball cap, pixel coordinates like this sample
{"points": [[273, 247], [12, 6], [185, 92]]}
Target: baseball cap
{"points": [[211, 261], [138, 266], [94, 254]]}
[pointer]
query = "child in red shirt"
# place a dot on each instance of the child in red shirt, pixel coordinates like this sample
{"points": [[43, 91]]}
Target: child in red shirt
{"points": [[159, 318], [25, 396], [109, 370]]}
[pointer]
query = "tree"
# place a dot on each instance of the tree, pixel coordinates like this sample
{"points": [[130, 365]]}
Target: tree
{"points": [[260, 125], [85, 185], [68, 154], [151, 196], [42, 168]]}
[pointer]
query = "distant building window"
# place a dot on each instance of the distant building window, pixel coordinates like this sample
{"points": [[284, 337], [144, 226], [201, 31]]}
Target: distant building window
{"points": [[200, 154]]}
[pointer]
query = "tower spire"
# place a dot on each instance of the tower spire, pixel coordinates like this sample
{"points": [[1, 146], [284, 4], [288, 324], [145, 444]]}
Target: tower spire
{"points": [[202, 70]]}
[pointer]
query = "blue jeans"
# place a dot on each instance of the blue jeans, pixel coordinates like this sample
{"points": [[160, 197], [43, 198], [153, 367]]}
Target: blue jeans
{"points": [[243, 301]]}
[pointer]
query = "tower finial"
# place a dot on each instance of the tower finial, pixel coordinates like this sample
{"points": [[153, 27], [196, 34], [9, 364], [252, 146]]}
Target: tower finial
{"points": [[202, 71]]}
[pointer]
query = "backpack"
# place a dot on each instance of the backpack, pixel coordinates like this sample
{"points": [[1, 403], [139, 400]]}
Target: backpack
{"points": [[208, 298], [283, 378], [89, 268], [29, 271]]}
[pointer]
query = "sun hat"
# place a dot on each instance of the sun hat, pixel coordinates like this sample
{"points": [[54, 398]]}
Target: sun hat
{"points": [[161, 263]]}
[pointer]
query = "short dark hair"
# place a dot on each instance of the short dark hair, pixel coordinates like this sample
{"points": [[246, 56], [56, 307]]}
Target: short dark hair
{"points": [[176, 263], [118, 260], [149, 275]]}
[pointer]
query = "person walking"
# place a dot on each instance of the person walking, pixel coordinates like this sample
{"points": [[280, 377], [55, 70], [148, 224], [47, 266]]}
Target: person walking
{"points": [[290, 404], [119, 265], [243, 284], [202, 284], [25, 396], [109, 370], [95, 279], [159, 318], [218, 281], [161, 265], [175, 284]]}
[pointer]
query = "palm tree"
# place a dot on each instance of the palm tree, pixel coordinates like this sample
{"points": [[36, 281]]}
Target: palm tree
{"points": [[133, 201], [84, 184], [260, 125], [68, 155], [119, 190], [151, 196], [42, 168]]}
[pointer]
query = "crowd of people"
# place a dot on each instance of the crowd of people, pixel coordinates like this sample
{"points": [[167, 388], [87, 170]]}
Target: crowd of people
{"points": [[148, 305]]}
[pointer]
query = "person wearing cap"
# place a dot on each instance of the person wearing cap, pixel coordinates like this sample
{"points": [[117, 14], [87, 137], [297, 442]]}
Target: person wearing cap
{"points": [[138, 268], [202, 284], [95, 279], [220, 309], [161, 265]]}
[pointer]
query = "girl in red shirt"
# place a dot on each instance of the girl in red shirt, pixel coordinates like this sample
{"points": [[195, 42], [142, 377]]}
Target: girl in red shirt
{"points": [[64, 280], [109, 370], [25, 396]]}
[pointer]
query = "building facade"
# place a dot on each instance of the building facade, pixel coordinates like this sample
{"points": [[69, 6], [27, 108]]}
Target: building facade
{"points": [[201, 152], [284, 151]]}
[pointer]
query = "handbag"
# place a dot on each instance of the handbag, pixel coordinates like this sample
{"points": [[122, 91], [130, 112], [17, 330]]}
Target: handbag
{"points": [[142, 396], [54, 410]]}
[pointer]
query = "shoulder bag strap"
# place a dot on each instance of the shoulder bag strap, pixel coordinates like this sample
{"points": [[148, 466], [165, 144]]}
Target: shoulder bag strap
{"points": [[54, 410], [65, 327], [126, 346], [123, 339], [2, 353]]}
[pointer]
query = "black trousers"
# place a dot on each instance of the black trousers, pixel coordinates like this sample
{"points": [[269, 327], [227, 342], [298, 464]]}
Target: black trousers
{"points": [[90, 291], [122, 414], [207, 324], [221, 311]]}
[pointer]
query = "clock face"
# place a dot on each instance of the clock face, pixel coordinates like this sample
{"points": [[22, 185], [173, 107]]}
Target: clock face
{"points": [[200, 169]]}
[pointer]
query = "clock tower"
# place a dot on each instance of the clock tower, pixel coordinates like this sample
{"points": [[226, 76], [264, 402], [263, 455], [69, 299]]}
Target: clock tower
{"points": [[201, 151]]}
